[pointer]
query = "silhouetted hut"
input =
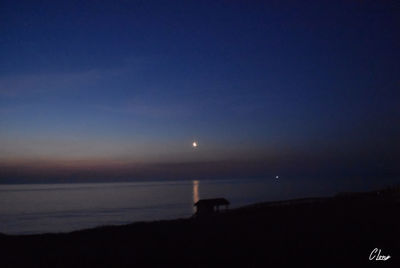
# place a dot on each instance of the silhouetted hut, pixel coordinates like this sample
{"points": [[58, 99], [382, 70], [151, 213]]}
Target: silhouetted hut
{"points": [[209, 206]]}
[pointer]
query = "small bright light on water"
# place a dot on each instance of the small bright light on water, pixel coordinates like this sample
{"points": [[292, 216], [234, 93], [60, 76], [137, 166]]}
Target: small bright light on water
{"points": [[276, 177], [194, 144]]}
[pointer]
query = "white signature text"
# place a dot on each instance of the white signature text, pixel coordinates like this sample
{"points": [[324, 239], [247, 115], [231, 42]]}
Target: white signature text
{"points": [[376, 255]]}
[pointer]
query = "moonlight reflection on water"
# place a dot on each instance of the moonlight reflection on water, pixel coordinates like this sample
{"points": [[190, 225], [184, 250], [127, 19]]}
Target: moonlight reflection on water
{"points": [[196, 196]]}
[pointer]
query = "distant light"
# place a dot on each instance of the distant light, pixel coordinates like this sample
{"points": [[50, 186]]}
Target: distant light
{"points": [[276, 177], [194, 144]]}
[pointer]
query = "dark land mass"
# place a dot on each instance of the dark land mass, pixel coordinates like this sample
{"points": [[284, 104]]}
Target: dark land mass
{"points": [[340, 231]]}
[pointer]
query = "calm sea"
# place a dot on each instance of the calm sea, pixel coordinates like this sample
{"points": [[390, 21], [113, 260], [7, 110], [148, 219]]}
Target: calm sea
{"points": [[39, 208]]}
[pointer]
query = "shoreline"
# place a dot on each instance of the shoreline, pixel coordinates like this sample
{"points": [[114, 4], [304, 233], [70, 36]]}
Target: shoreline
{"points": [[339, 230], [231, 210], [353, 196]]}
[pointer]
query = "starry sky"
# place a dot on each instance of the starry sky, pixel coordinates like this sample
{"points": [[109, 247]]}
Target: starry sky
{"points": [[121, 89]]}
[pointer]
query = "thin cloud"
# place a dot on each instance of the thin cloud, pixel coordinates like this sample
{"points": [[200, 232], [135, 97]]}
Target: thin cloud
{"points": [[13, 86], [154, 109]]}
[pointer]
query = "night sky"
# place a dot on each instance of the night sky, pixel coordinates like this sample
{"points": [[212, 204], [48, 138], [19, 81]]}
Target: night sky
{"points": [[120, 89]]}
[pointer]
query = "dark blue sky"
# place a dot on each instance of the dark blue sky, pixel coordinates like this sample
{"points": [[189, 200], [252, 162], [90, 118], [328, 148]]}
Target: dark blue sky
{"points": [[279, 84]]}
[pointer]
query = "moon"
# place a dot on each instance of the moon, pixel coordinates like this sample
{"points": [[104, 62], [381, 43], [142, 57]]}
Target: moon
{"points": [[194, 144]]}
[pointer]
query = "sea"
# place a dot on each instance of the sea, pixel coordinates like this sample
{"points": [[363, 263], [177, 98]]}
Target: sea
{"points": [[54, 208]]}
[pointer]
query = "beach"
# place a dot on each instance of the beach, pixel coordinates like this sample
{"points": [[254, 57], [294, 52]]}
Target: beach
{"points": [[340, 230]]}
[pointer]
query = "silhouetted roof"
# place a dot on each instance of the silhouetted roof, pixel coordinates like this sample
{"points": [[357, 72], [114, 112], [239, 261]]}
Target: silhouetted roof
{"points": [[212, 202]]}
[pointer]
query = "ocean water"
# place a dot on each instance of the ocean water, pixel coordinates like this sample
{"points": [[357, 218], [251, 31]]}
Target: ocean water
{"points": [[41, 208]]}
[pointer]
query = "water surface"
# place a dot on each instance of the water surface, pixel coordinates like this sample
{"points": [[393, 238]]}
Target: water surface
{"points": [[39, 208]]}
